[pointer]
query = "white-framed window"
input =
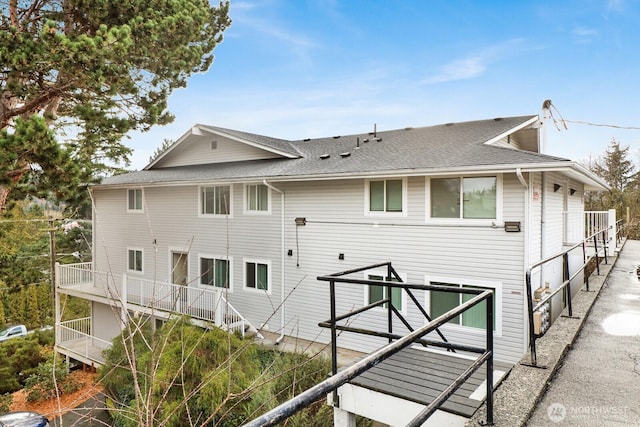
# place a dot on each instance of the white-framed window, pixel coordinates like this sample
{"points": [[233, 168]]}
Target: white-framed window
{"points": [[468, 198], [375, 293], [386, 196], [134, 260], [257, 199], [257, 275], [473, 319], [215, 271], [134, 200], [215, 200]]}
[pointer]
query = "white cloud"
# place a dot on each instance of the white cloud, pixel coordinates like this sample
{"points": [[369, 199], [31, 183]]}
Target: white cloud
{"points": [[584, 34], [462, 69], [474, 65]]}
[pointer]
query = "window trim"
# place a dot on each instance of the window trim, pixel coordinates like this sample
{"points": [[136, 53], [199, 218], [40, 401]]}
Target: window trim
{"points": [[467, 221], [367, 197], [134, 210], [245, 204], [383, 309], [215, 257], [497, 286], [246, 261], [201, 201], [137, 249]]}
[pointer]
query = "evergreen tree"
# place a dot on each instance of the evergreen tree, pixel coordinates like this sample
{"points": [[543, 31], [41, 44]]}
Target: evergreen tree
{"points": [[3, 319], [31, 315], [617, 170], [86, 73]]}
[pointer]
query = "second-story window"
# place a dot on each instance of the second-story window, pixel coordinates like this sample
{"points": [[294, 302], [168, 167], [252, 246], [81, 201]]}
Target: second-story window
{"points": [[386, 196], [256, 198], [134, 200], [134, 262], [464, 198], [215, 200]]}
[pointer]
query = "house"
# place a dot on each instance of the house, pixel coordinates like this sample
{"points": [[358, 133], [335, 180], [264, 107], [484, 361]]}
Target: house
{"points": [[229, 220]]}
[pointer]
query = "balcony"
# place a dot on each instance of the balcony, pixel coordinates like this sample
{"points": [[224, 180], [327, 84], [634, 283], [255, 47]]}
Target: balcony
{"points": [[76, 339]]}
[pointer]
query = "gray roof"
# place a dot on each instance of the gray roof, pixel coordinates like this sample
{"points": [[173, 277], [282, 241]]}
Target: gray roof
{"points": [[410, 150]]}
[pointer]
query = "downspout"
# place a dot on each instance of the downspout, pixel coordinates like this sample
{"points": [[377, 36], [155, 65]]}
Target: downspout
{"points": [[527, 243], [282, 274]]}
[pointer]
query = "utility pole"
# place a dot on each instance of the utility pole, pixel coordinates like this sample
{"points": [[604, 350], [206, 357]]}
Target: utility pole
{"points": [[52, 260]]}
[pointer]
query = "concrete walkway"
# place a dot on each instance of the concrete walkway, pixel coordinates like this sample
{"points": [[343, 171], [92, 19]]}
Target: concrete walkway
{"points": [[592, 360], [599, 381]]}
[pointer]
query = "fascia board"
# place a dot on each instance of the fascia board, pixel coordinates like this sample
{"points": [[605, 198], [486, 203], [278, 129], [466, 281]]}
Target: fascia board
{"points": [[251, 143], [512, 130]]}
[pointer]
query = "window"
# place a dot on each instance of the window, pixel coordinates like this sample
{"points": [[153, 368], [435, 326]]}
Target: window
{"points": [[386, 195], [467, 198], [215, 200], [475, 317], [215, 272], [257, 275], [135, 260], [134, 199], [376, 293], [256, 198]]}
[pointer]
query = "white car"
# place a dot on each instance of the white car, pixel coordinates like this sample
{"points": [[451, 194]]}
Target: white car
{"points": [[23, 419], [13, 332]]}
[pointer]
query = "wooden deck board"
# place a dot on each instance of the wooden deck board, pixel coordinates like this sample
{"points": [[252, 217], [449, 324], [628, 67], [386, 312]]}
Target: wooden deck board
{"points": [[420, 376]]}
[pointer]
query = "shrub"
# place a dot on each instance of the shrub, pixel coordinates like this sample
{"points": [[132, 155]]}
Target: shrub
{"points": [[50, 380], [5, 402]]}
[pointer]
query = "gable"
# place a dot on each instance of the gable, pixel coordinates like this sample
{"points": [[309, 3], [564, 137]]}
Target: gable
{"points": [[209, 149]]}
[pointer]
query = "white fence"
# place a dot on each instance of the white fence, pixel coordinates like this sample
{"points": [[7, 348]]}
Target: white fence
{"points": [[197, 302], [580, 225]]}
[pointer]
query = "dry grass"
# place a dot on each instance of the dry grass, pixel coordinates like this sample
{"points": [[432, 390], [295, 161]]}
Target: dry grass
{"points": [[56, 407]]}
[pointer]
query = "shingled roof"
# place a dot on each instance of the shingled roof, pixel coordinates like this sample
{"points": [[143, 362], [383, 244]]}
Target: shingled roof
{"points": [[422, 150]]}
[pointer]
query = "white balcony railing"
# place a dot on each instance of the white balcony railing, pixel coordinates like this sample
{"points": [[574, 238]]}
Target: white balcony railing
{"points": [[75, 337], [197, 302]]}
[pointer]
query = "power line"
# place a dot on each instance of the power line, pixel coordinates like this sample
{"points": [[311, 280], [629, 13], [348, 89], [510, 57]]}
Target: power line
{"points": [[602, 125], [548, 105]]}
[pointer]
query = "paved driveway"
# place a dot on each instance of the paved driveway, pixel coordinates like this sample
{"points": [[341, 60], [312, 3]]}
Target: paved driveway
{"points": [[599, 381]]}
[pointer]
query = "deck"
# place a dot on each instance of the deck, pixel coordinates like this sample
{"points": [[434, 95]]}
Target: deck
{"points": [[421, 375]]}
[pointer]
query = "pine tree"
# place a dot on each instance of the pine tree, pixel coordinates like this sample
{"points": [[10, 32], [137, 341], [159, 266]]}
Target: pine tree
{"points": [[31, 315], [86, 73]]}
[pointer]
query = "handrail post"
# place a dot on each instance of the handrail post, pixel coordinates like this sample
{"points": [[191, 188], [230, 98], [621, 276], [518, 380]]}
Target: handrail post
{"points": [[532, 334], [389, 311], [334, 337], [595, 246], [565, 279], [605, 245], [489, 330], [584, 264]]}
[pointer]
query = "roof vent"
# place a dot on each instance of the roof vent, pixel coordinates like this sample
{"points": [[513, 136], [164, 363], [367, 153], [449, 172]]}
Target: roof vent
{"points": [[378, 139], [347, 154], [336, 137], [497, 119], [449, 124], [325, 156], [408, 128], [365, 140], [307, 139]]}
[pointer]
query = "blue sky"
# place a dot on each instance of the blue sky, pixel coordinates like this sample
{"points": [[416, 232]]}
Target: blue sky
{"points": [[299, 69]]}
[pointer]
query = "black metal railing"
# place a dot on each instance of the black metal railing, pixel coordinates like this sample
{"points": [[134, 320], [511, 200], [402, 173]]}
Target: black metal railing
{"points": [[599, 241], [396, 344]]}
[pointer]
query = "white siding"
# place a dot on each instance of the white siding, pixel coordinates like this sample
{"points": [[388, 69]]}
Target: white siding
{"points": [[466, 253], [336, 224], [197, 151]]}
